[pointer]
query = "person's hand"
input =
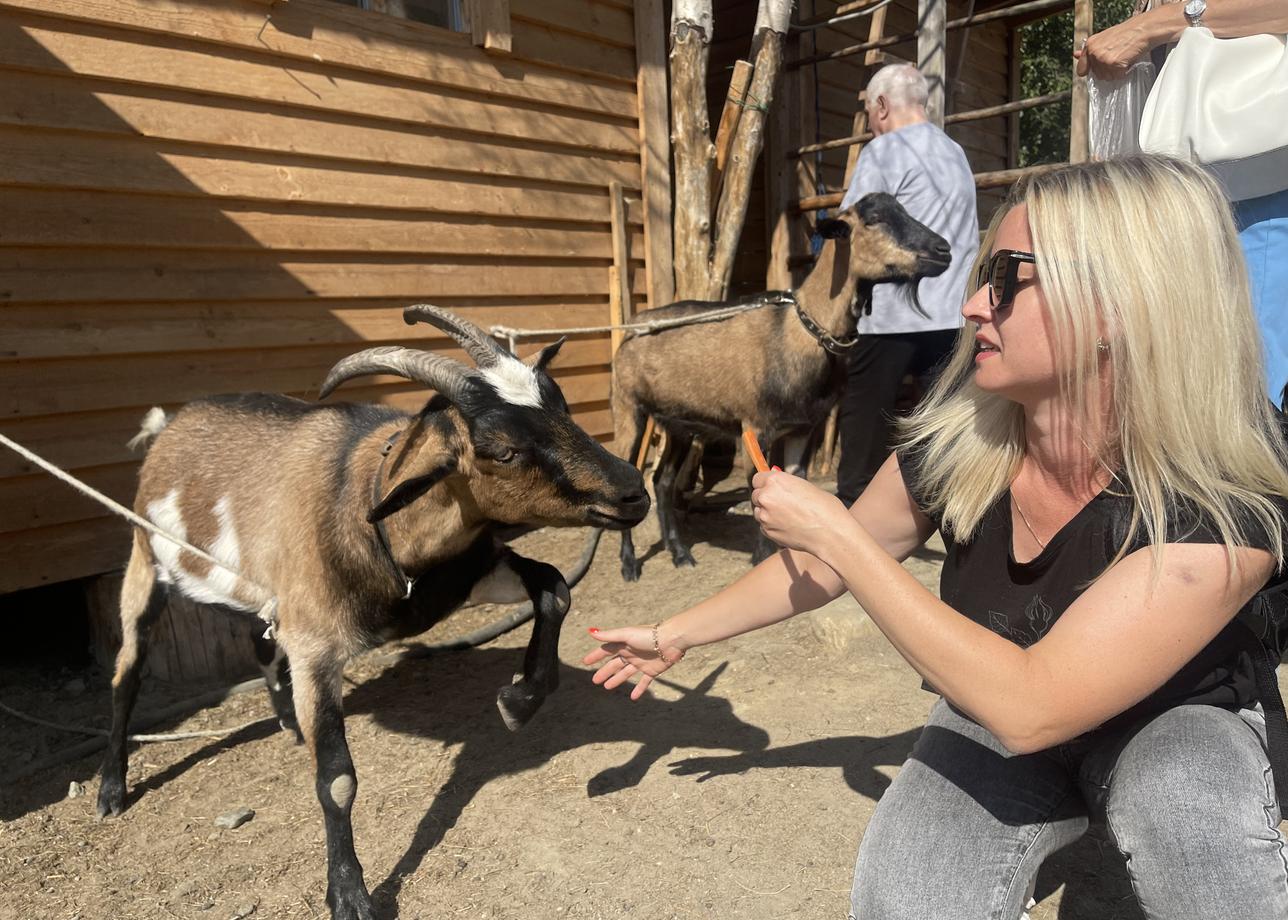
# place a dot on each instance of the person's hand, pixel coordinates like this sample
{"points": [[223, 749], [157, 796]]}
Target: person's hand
{"points": [[628, 651], [1110, 52], [795, 513]]}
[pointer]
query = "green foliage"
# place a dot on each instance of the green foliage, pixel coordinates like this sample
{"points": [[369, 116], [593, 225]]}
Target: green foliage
{"points": [[1046, 66]]}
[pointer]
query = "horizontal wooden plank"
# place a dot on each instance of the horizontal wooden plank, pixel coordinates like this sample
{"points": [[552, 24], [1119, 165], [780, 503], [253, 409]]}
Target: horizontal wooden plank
{"points": [[533, 41], [53, 554], [611, 24], [105, 53], [101, 107], [53, 275], [55, 386], [86, 330], [51, 217], [54, 159], [309, 31]]}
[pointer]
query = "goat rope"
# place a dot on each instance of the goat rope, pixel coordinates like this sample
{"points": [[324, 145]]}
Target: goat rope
{"points": [[268, 610], [711, 316]]}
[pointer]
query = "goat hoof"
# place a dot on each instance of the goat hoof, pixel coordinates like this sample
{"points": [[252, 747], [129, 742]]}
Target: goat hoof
{"points": [[290, 725], [111, 799], [631, 571], [353, 904], [683, 560], [518, 703]]}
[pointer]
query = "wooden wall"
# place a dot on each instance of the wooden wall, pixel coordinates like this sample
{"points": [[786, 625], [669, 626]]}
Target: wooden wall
{"points": [[198, 198]]}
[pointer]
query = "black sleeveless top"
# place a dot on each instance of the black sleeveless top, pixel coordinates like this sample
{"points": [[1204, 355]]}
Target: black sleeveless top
{"points": [[1020, 601]]}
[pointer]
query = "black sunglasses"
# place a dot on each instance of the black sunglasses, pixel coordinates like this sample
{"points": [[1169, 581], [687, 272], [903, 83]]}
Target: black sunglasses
{"points": [[1002, 275]]}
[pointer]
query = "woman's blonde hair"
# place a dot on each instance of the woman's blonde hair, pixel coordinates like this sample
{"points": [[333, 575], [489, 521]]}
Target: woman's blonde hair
{"points": [[1142, 251]]}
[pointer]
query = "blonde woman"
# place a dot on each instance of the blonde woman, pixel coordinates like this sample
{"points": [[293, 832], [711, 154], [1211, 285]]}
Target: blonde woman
{"points": [[1110, 483]]}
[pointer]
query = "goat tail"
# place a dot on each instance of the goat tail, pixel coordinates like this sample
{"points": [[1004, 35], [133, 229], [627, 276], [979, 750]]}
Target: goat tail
{"points": [[152, 425]]}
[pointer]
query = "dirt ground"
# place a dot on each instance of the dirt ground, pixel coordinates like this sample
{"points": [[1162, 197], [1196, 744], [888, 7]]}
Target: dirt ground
{"points": [[739, 790]]}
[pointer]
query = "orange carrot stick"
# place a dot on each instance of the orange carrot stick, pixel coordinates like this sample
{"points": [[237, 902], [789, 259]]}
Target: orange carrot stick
{"points": [[753, 449]]}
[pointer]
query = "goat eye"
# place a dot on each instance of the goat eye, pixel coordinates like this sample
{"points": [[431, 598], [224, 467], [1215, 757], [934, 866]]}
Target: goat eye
{"points": [[506, 455]]}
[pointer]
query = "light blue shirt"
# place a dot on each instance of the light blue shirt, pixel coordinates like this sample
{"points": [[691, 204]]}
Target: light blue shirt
{"points": [[927, 172]]}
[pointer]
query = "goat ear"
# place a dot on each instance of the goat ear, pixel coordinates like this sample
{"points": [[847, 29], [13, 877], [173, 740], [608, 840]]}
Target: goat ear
{"points": [[410, 489], [546, 355], [829, 228]]}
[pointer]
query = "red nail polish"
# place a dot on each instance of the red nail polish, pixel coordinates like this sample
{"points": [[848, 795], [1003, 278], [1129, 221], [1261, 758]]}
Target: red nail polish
{"points": [[594, 629], [777, 469]]}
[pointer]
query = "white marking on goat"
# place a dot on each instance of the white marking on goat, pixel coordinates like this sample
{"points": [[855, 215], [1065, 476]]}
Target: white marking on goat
{"points": [[342, 790], [218, 585], [514, 382]]}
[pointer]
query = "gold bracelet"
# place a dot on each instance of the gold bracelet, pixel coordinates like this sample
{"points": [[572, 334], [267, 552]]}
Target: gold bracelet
{"points": [[657, 649]]}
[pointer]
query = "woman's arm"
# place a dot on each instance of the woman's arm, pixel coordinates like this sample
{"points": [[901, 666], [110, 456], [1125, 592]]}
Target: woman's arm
{"points": [[1121, 640], [788, 583], [1111, 51]]}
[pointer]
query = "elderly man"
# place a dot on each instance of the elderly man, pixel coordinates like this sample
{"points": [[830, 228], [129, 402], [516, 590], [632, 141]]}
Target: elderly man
{"points": [[927, 172]]}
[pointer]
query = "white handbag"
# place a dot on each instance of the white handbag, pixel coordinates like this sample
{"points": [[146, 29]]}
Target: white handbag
{"points": [[1223, 102]]}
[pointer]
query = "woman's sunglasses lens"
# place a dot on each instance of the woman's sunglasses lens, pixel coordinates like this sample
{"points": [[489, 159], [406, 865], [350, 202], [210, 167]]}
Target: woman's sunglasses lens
{"points": [[997, 278]]}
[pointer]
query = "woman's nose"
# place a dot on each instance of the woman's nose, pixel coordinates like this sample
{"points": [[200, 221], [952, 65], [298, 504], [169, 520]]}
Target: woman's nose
{"points": [[977, 308]]}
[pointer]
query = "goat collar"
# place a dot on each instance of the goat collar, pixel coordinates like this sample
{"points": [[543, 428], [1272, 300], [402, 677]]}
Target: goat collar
{"points": [[382, 535], [829, 342]]}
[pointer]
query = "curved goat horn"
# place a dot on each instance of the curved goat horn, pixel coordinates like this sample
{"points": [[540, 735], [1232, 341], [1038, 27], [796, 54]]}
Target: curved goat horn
{"points": [[435, 371], [478, 344]]}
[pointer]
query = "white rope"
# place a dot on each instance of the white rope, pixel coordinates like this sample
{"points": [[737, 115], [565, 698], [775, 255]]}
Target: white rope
{"points": [[104, 733], [268, 610], [711, 316]]}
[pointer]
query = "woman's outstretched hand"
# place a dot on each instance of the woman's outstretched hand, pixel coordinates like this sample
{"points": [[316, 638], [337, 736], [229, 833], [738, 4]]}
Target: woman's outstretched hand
{"points": [[1109, 52], [795, 513], [628, 651]]}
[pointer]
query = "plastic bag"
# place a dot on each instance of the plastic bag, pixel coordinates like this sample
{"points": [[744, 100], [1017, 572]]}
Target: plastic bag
{"points": [[1115, 111]]}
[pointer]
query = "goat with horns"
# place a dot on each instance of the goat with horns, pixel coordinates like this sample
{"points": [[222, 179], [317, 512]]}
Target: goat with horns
{"points": [[776, 369], [365, 524]]}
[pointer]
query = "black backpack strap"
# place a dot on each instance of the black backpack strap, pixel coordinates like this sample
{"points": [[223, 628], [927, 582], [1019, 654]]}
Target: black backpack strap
{"points": [[1266, 620]]}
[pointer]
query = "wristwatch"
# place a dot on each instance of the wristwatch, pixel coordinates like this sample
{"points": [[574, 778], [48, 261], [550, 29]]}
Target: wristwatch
{"points": [[1194, 10]]}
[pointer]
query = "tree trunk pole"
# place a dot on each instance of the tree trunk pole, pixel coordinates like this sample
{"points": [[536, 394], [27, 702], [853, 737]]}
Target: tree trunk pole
{"points": [[767, 45], [932, 17], [691, 139]]}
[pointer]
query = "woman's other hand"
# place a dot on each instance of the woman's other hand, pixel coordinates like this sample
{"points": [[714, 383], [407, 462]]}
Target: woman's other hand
{"points": [[631, 650], [1109, 53], [796, 514]]}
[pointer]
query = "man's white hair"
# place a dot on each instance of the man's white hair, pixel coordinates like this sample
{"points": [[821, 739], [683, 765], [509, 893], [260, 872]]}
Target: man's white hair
{"points": [[901, 84]]}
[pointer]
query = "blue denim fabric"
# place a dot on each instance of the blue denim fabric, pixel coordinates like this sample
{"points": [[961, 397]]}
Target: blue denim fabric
{"points": [[1187, 797], [1263, 231]]}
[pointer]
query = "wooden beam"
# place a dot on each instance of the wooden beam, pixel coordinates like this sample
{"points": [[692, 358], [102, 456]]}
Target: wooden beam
{"points": [[691, 135], [932, 36], [655, 150], [1079, 113], [490, 25], [735, 100], [771, 27], [619, 296]]}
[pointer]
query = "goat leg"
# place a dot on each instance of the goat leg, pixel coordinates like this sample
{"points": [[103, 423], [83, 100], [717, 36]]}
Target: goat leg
{"points": [[142, 599], [545, 585], [664, 480], [277, 675], [316, 686]]}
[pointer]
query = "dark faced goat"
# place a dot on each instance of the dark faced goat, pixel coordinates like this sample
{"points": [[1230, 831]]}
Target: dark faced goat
{"points": [[365, 524], [777, 369]]}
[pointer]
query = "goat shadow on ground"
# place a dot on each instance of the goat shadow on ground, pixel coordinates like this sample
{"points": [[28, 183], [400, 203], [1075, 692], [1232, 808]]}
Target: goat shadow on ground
{"points": [[1091, 870]]}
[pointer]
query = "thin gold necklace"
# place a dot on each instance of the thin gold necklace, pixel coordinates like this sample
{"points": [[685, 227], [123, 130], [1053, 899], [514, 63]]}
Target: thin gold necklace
{"points": [[1025, 519]]}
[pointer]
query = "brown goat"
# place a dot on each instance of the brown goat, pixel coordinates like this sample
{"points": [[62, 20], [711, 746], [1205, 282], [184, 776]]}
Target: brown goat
{"points": [[776, 369], [365, 524]]}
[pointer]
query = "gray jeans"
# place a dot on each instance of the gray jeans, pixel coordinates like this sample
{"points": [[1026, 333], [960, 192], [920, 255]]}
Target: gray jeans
{"points": [[1188, 797]]}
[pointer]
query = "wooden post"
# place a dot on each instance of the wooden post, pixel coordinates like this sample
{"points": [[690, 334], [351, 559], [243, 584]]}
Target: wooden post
{"points": [[734, 102], [694, 152], [781, 172], [621, 310], [655, 150], [871, 60], [1079, 113], [767, 45], [932, 18]]}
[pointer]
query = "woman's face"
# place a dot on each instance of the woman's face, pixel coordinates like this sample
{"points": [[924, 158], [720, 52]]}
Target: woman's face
{"points": [[1014, 354]]}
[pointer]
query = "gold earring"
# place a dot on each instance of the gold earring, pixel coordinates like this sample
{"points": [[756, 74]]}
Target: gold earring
{"points": [[1102, 345]]}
